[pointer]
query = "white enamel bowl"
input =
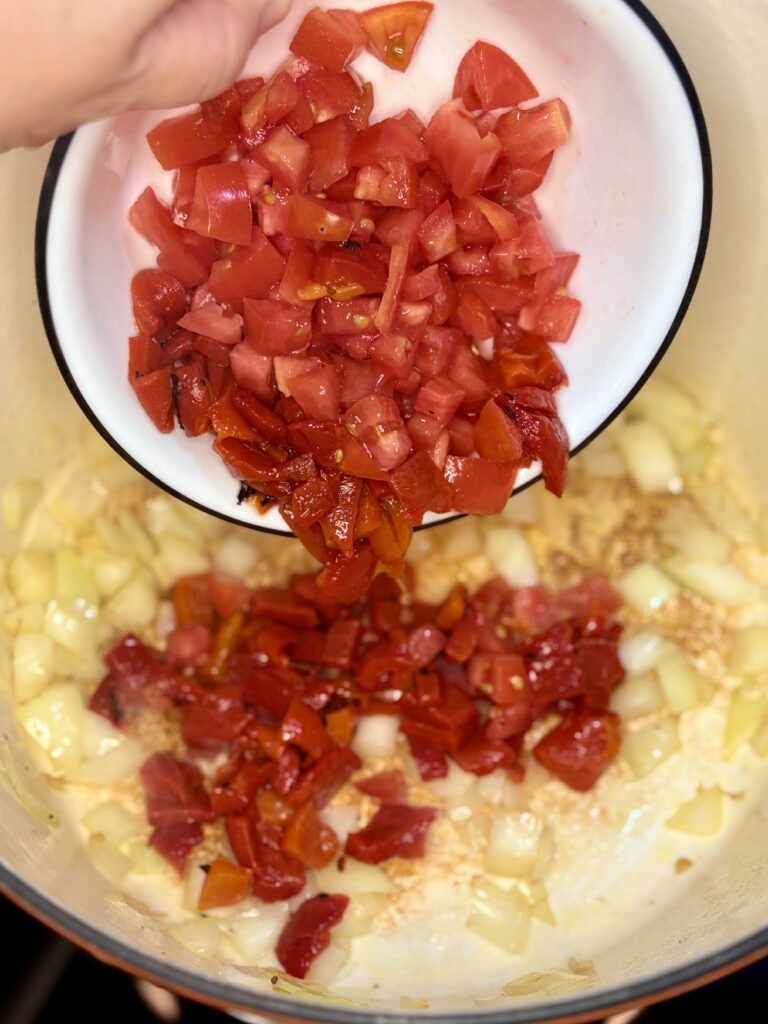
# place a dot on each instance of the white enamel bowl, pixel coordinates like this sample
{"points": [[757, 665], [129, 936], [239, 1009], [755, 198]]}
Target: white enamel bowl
{"points": [[631, 192]]}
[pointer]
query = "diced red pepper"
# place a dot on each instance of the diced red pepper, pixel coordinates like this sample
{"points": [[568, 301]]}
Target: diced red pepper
{"points": [[308, 932], [394, 831]]}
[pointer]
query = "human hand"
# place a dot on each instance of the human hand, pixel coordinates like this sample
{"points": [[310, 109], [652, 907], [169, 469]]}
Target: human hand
{"points": [[65, 63]]}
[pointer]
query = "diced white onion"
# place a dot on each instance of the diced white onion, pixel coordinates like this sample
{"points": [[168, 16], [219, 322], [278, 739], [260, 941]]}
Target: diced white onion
{"points": [[73, 584], [646, 588], [236, 556], [134, 606], [256, 931], [111, 572], [663, 403], [72, 627], [19, 498], [376, 736], [521, 509], [356, 879], [472, 572], [139, 543], [326, 967], [33, 664], [700, 543], [112, 821], [501, 917], [473, 827], [363, 908], [24, 618], [759, 741], [145, 860], [549, 983], [637, 696], [461, 540], [163, 515], [701, 816], [121, 763], [54, 720], [649, 458], [713, 582], [724, 512], [650, 746], [680, 682], [200, 935], [31, 576], [343, 820], [746, 711], [513, 845], [512, 556], [455, 784], [499, 790], [177, 557], [107, 859], [99, 736], [194, 879], [748, 655], [639, 652], [535, 892]]}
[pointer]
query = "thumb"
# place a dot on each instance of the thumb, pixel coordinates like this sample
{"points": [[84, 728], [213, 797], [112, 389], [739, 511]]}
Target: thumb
{"points": [[196, 49]]}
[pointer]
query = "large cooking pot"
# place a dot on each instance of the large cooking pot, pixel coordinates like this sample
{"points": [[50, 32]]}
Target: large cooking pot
{"points": [[716, 923]]}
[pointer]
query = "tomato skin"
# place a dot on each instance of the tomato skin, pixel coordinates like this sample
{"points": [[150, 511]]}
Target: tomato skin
{"points": [[186, 140], [225, 885], [466, 157], [158, 300], [394, 31], [221, 207], [580, 748], [545, 437], [488, 78], [308, 932], [328, 41], [155, 392], [497, 436], [341, 270], [481, 487]]}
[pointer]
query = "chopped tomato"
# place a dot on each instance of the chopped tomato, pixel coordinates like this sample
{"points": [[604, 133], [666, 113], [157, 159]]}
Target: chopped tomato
{"points": [[488, 79], [328, 41], [308, 932], [530, 135], [155, 392], [497, 436], [187, 139], [394, 31], [467, 157], [225, 885], [288, 158], [247, 273], [221, 206], [481, 487], [329, 144], [312, 219], [158, 301]]}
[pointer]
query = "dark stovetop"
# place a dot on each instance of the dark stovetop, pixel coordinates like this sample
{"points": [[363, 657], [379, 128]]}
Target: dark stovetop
{"points": [[45, 980]]}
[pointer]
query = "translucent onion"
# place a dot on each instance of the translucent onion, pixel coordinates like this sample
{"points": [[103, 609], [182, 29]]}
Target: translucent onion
{"points": [[724, 512], [376, 736], [343, 820], [24, 618], [31, 576], [194, 879], [713, 582], [74, 628], [639, 652], [636, 697], [680, 683], [513, 845], [356, 878], [236, 556], [133, 608], [178, 557], [512, 556], [115, 766], [759, 741], [73, 583], [163, 515], [54, 720], [112, 821], [145, 860], [327, 966], [461, 540], [456, 783], [521, 509], [701, 816], [646, 588], [256, 931], [748, 655], [650, 746], [649, 458], [501, 917], [363, 908], [549, 983], [200, 935], [111, 572], [107, 859], [19, 498], [678, 416], [748, 707], [33, 665]]}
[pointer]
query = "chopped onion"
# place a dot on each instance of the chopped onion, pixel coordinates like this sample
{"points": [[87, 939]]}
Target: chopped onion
{"points": [[256, 931], [724, 512], [746, 712], [646, 588], [473, 826], [649, 458], [107, 859], [701, 816], [31, 576], [376, 736], [343, 820], [194, 879], [177, 557], [549, 983], [99, 736], [713, 582], [72, 627], [356, 878], [112, 821], [236, 556], [698, 541], [748, 655], [637, 696], [73, 583], [138, 541], [650, 746], [111, 572], [455, 784], [661, 402], [680, 682], [511, 556], [33, 664], [640, 652], [121, 763], [145, 860], [24, 618], [461, 540], [133, 608], [536, 893], [759, 741], [602, 459], [513, 845], [163, 515], [19, 498], [327, 966], [363, 908], [521, 509], [501, 917], [54, 720], [201, 935]]}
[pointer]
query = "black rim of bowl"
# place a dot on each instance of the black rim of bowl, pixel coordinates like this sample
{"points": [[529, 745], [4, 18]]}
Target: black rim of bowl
{"points": [[228, 994]]}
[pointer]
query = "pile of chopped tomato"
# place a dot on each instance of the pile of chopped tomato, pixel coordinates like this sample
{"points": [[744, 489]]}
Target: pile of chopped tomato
{"points": [[360, 313], [275, 680]]}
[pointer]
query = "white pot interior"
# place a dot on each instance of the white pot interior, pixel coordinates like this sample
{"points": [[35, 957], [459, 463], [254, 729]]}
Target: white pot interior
{"points": [[719, 355]]}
